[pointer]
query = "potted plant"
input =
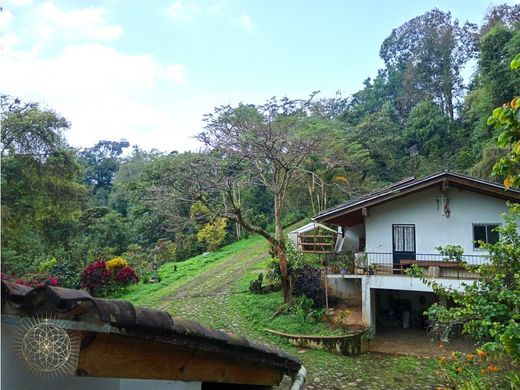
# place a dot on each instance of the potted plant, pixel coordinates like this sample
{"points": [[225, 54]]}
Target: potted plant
{"points": [[361, 263], [371, 269]]}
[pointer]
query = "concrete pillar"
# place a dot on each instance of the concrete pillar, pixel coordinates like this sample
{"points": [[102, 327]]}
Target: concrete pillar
{"points": [[368, 303]]}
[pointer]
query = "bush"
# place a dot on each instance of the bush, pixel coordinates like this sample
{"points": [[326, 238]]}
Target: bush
{"points": [[33, 280], [102, 278], [307, 282], [67, 274], [255, 286], [213, 233]]}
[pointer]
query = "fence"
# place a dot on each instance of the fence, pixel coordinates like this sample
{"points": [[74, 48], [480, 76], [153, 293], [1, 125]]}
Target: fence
{"points": [[434, 265]]}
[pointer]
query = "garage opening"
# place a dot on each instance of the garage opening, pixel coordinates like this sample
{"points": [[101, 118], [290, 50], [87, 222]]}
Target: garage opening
{"points": [[398, 309], [401, 326]]}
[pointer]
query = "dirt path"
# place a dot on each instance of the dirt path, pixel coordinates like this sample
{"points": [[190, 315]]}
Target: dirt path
{"points": [[205, 298], [220, 279]]}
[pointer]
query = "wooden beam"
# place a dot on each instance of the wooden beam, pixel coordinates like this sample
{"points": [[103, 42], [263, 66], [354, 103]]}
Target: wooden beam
{"points": [[116, 356]]}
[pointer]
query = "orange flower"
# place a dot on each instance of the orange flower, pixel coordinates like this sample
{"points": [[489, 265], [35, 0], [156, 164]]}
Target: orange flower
{"points": [[454, 355], [492, 368], [481, 353], [469, 356], [442, 359], [482, 371], [439, 387]]}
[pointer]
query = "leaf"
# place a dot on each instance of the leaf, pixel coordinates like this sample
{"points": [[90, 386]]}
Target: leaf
{"points": [[515, 64], [516, 147], [503, 138]]}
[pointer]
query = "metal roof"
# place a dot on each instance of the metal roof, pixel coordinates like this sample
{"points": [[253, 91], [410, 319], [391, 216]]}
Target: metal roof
{"points": [[121, 317], [411, 184]]}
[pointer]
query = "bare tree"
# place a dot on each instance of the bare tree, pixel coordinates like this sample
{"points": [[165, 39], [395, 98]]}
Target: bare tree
{"points": [[244, 146]]}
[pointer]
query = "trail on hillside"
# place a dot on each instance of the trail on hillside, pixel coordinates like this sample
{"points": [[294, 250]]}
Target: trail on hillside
{"points": [[203, 298], [206, 298]]}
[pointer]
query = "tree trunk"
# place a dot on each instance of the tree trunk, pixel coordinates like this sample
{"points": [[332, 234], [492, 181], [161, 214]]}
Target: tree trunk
{"points": [[282, 256]]}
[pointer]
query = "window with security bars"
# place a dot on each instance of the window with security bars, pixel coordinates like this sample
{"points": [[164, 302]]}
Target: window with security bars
{"points": [[404, 238], [484, 233]]}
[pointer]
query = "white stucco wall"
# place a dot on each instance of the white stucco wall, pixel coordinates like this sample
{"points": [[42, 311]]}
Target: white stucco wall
{"points": [[431, 227], [366, 285]]}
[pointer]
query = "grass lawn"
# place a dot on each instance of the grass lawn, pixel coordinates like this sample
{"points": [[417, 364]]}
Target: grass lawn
{"points": [[212, 290], [258, 310], [150, 294]]}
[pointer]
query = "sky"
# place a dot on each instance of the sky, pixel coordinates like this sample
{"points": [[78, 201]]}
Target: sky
{"points": [[148, 71]]}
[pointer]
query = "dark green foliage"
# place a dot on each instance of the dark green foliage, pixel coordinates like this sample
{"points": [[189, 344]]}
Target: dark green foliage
{"points": [[307, 282], [489, 310], [255, 286]]}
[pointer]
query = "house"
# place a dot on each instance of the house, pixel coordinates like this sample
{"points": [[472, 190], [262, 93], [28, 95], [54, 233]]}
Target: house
{"points": [[57, 338], [391, 229]]}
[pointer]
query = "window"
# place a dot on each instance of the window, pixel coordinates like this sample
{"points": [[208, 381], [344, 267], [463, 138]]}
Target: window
{"points": [[484, 232]]}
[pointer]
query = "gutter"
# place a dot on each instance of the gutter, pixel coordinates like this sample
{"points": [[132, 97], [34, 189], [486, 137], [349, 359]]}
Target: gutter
{"points": [[300, 379]]}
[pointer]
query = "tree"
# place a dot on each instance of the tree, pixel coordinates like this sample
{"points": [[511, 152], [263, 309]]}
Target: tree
{"points": [[28, 129], [270, 144], [101, 162], [506, 120], [489, 309], [41, 194], [431, 50]]}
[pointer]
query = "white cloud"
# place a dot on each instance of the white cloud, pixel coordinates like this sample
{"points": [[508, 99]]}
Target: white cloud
{"points": [[104, 92], [183, 12], [83, 23], [245, 22], [19, 3]]}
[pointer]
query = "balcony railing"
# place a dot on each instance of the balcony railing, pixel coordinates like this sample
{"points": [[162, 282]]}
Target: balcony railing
{"points": [[434, 265]]}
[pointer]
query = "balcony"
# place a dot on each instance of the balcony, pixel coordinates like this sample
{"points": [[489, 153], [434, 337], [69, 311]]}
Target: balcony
{"points": [[380, 263]]}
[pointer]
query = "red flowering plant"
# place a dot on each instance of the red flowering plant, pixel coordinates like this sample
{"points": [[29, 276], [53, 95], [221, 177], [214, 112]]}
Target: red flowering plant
{"points": [[105, 277], [38, 279], [95, 276]]}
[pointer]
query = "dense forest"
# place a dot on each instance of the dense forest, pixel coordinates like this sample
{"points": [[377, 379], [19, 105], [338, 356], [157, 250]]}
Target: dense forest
{"points": [[262, 166]]}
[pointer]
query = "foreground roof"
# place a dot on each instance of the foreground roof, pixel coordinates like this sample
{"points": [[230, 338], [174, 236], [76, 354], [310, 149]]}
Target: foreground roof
{"points": [[413, 184], [151, 331]]}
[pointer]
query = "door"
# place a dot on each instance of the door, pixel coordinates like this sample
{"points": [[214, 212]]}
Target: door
{"points": [[403, 237]]}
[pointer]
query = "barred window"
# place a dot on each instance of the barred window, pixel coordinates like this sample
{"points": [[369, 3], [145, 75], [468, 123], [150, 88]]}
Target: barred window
{"points": [[484, 232]]}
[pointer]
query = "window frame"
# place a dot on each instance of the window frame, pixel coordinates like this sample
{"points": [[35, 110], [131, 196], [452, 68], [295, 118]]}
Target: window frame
{"points": [[486, 225]]}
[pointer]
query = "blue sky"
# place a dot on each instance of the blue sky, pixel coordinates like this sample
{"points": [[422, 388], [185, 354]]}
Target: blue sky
{"points": [[149, 70]]}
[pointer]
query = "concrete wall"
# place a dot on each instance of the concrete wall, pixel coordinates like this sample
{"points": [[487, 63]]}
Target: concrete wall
{"points": [[16, 375], [344, 285], [432, 228], [348, 290]]}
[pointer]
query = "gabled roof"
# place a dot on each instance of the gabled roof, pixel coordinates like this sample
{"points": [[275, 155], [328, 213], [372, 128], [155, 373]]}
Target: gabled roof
{"points": [[410, 185], [311, 226]]}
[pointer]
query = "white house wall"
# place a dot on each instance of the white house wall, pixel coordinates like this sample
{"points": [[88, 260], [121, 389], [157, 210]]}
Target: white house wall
{"points": [[432, 228]]}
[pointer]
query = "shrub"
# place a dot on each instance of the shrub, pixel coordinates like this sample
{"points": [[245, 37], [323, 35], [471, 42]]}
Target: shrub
{"points": [[116, 263], [33, 279], [255, 286], [213, 233], [126, 276], [67, 274], [307, 282], [100, 279], [95, 276]]}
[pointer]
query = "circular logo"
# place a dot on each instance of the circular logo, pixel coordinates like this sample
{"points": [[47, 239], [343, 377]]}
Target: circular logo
{"points": [[46, 347]]}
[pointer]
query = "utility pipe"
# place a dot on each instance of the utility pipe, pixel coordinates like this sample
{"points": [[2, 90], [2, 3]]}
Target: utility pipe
{"points": [[300, 379]]}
